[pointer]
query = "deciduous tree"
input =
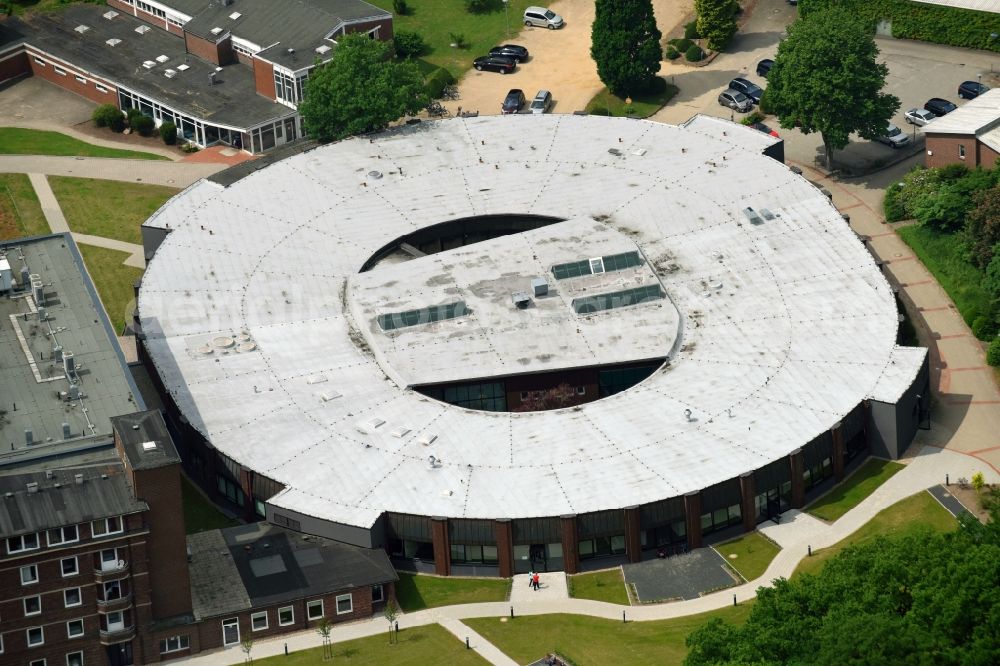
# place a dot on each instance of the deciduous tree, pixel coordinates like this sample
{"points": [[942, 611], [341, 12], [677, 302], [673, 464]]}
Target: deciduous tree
{"points": [[625, 44], [716, 21], [361, 90], [826, 79]]}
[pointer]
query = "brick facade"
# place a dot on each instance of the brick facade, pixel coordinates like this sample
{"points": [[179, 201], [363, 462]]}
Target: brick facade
{"points": [[944, 149], [71, 78], [263, 79], [220, 53], [13, 64], [153, 20]]}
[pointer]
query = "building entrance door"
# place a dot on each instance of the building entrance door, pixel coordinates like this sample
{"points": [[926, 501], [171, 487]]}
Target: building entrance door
{"points": [[120, 654], [539, 562]]}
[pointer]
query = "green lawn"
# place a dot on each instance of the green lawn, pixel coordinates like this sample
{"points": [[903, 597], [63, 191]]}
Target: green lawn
{"points": [[437, 20], [418, 591], [944, 257], [844, 497], [753, 552], [108, 208], [589, 640], [430, 644], [600, 586], [20, 213], [199, 513], [643, 106], [916, 512], [18, 141], [113, 280]]}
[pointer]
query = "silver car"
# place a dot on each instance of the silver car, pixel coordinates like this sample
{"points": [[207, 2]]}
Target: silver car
{"points": [[735, 100], [894, 137], [542, 102], [919, 117], [543, 18]]}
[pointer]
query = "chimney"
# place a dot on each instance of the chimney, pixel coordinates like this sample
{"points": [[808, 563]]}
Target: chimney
{"points": [[78, 478], [32, 487]]}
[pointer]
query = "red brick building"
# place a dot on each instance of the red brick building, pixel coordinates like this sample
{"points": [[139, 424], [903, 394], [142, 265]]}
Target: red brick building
{"points": [[970, 135]]}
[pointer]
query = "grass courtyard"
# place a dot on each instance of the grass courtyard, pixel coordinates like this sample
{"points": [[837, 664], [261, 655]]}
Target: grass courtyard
{"points": [[113, 280], [643, 105], [606, 586], [588, 640], [18, 141], [847, 495], [20, 213], [108, 208], [430, 644], [200, 514], [917, 512], [749, 554], [416, 591]]}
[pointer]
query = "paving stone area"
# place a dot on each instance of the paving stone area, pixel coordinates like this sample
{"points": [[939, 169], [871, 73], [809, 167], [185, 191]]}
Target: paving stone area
{"points": [[686, 576]]}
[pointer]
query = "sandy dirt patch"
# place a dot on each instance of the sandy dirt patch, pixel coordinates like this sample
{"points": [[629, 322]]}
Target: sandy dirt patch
{"points": [[560, 60]]}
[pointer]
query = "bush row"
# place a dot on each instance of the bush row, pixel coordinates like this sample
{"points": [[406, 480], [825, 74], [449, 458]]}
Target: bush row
{"points": [[110, 116], [676, 47]]}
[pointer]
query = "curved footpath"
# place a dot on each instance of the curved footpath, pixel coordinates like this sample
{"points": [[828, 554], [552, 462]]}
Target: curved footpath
{"points": [[795, 534]]}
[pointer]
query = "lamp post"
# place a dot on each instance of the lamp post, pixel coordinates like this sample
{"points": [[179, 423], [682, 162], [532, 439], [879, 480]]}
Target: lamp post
{"points": [[506, 11]]}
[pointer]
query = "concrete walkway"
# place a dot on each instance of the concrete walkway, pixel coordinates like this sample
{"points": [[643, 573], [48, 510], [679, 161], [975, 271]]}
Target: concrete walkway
{"points": [[551, 587], [487, 650], [136, 255], [174, 174], [796, 533]]}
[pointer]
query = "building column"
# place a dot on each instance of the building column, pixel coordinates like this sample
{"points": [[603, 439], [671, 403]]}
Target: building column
{"points": [[246, 484], [866, 413], [504, 532], [837, 434], [796, 463], [748, 501], [442, 546], [570, 544], [633, 534], [692, 519]]}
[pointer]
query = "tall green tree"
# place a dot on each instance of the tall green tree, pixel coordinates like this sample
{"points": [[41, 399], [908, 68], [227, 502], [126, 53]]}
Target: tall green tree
{"points": [[625, 44], [826, 79], [716, 21], [360, 90]]}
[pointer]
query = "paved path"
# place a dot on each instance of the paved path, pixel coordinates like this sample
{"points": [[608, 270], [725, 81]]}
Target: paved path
{"points": [[948, 501], [487, 650], [174, 174], [796, 533], [136, 255], [551, 586]]}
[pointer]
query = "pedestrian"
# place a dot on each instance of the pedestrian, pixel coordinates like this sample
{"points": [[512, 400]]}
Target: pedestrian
{"points": [[531, 579], [534, 580]]}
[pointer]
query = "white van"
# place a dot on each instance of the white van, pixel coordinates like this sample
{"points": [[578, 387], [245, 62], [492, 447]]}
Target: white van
{"points": [[543, 18]]}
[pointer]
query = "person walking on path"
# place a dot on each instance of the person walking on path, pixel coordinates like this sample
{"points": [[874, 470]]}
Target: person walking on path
{"points": [[531, 579], [534, 582]]}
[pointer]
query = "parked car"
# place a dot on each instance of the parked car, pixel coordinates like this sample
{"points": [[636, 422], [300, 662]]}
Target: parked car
{"points": [[894, 137], [513, 102], [764, 66], [735, 100], [971, 89], [939, 107], [501, 64], [542, 102], [748, 88], [919, 117], [766, 130], [543, 18], [518, 53]]}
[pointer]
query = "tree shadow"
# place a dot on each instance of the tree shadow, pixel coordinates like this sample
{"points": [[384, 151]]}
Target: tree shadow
{"points": [[751, 41]]}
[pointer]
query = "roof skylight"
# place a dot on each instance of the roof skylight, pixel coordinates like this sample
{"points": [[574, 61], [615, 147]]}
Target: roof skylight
{"points": [[617, 299], [428, 315], [612, 262]]}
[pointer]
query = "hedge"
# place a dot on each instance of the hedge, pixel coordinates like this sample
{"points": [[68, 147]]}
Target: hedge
{"points": [[436, 81], [929, 23], [694, 53]]}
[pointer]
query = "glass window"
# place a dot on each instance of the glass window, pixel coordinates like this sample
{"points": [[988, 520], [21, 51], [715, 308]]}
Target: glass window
{"points": [[258, 621], [74, 628], [19, 544], [61, 535], [32, 605], [74, 659], [36, 662], [174, 644], [107, 526], [29, 574], [231, 631], [71, 597], [345, 604], [36, 636], [286, 616], [314, 609], [378, 594], [69, 566]]}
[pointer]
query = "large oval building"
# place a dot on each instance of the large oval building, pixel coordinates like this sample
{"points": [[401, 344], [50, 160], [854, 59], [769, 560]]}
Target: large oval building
{"points": [[495, 344]]}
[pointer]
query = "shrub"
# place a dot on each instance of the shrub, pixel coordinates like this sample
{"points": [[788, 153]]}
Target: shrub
{"points": [[754, 116], [681, 45], [168, 132], [409, 44], [691, 30], [978, 481], [671, 53], [436, 81], [144, 125], [108, 115], [993, 352], [482, 6], [694, 53], [400, 7], [458, 40]]}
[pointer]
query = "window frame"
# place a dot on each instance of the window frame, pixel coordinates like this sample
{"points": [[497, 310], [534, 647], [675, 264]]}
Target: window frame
{"points": [[73, 654], [37, 662], [100, 88], [310, 605], [231, 622], [27, 636], [256, 616], [79, 597], [24, 604], [29, 567], [69, 631], [350, 599], [107, 529], [62, 533], [290, 609], [961, 151], [182, 642], [58, 70], [23, 548], [76, 566], [381, 593]]}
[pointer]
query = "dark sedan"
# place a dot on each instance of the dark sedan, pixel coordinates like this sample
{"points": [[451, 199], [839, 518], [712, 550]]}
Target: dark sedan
{"points": [[513, 102], [518, 53], [971, 89], [501, 64], [764, 66], [939, 107], [748, 88]]}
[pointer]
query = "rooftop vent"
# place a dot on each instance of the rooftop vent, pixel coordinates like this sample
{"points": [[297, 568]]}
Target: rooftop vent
{"points": [[113, 42], [427, 439], [235, 15], [148, 446], [110, 14], [520, 299], [211, 78], [183, 68], [752, 215], [29, 436], [78, 479], [32, 487], [69, 363], [162, 59], [216, 30], [323, 49], [399, 432], [170, 73], [370, 425], [81, 28], [290, 51], [768, 215], [67, 431], [149, 64], [48, 474], [327, 396], [540, 286], [142, 29]]}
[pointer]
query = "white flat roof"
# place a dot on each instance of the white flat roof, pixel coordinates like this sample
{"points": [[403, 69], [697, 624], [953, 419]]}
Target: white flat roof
{"points": [[251, 311], [978, 5], [970, 117]]}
